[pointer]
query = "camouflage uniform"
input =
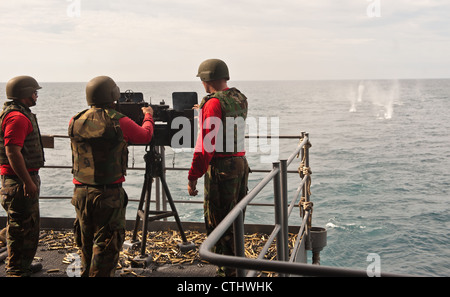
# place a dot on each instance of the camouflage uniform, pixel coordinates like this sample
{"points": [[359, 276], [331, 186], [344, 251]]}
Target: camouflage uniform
{"points": [[23, 211], [227, 176], [100, 228], [225, 185], [100, 158], [23, 225], [99, 150]]}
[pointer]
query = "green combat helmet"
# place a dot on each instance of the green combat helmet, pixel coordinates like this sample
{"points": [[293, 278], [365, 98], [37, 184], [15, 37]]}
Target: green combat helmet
{"points": [[102, 90], [21, 87], [213, 69]]}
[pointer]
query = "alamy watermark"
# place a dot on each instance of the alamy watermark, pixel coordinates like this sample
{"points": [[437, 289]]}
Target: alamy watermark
{"points": [[74, 268], [74, 9], [374, 268], [220, 135], [374, 9]]}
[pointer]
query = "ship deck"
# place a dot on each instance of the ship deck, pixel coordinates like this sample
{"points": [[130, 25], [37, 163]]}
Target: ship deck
{"points": [[53, 266], [59, 255]]}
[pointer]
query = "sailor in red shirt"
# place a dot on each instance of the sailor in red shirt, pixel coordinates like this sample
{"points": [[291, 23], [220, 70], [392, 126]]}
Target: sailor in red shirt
{"points": [[99, 139], [218, 154], [210, 118], [21, 156]]}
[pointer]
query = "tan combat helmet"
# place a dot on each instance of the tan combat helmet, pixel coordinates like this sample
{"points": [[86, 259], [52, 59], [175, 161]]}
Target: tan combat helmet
{"points": [[213, 69], [102, 90], [21, 87]]}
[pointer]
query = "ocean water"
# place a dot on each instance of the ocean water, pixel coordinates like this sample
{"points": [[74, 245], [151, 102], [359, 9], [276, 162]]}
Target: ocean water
{"points": [[380, 159]]}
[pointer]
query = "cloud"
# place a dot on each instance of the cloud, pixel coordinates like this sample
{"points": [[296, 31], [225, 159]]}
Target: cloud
{"points": [[167, 39]]}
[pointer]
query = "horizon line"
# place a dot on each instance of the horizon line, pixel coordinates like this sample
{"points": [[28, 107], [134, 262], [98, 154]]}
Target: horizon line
{"points": [[255, 80]]}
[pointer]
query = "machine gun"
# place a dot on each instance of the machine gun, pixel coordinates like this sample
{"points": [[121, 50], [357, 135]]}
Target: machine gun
{"points": [[130, 104], [166, 118]]}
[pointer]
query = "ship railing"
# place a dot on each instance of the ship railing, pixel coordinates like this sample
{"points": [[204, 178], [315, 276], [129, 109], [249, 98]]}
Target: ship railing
{"points": [[288, 263], [159, 200]]}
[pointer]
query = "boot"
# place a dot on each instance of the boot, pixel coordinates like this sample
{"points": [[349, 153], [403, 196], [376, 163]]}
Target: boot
{"points": [[36, 267]]}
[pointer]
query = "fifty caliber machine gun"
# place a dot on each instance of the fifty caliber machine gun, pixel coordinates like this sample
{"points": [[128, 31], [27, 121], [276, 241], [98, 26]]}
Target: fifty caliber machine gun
{"points": [[130, 104]]}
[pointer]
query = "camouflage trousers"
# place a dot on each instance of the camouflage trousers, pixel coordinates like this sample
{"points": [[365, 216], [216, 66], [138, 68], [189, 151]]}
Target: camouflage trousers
{"points": [[225, 185], [23, 225], [99, 228]]}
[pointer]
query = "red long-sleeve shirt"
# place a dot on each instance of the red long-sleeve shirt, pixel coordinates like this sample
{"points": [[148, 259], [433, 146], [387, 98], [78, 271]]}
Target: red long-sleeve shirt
{"points": [[210, 116], [16, 127], [136, 134]]}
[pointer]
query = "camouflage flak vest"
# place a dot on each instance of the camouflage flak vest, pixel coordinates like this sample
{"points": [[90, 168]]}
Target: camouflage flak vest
{"points": [[99, 151], [32, 150], [234, 113]]}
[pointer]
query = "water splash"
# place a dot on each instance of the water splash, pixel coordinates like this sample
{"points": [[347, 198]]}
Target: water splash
{"points": [[357, 99], [380, 94], [348, 226]]}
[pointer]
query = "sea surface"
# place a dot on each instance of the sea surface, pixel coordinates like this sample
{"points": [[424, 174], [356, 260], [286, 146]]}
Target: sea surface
{"points": [[380, 161]]}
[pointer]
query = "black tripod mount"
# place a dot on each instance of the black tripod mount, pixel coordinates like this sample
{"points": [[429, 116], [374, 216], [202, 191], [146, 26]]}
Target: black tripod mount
{"points": [[153, 169]]}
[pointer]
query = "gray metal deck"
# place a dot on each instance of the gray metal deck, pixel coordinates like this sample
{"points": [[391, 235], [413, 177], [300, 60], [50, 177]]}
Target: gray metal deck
{"points": [[53, 260]]}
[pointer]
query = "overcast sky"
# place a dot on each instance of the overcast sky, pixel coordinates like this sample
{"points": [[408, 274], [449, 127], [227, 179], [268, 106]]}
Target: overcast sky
{"points": [[165, 40]]}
